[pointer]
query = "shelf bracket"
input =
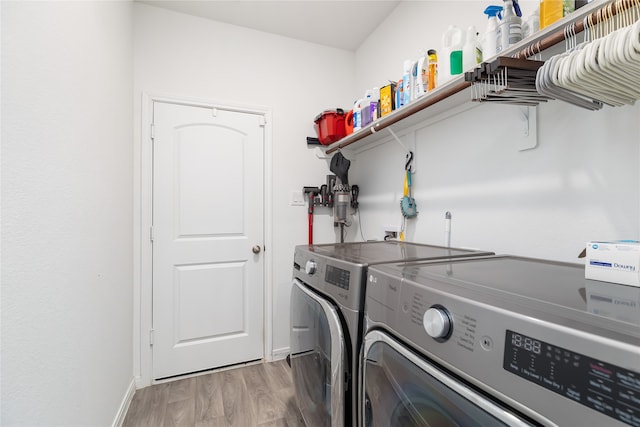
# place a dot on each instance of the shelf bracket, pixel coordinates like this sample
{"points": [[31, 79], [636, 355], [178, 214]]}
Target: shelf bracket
{"points": [[529, 128]]}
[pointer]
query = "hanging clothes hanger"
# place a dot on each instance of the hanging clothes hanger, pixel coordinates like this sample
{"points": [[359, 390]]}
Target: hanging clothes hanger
{"points": [[547, 84], [602, 73], [605, 68], [547, 80]]}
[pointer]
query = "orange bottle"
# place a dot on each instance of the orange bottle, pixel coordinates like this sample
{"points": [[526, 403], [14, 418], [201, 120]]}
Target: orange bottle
{"points": [[554, 10], [432, 70]]}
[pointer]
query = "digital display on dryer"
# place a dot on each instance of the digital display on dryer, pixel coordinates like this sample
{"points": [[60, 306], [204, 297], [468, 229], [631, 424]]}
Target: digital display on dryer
{"points": [[337, 277], [607, 388]]}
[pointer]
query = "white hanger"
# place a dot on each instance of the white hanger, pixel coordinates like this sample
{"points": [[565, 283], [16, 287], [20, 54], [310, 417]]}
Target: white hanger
{"points": [[603, 69], [546, 84], [600, 71]]}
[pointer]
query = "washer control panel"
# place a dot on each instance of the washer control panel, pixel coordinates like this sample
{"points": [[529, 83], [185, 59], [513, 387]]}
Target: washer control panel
{"points": [[609, 389]]}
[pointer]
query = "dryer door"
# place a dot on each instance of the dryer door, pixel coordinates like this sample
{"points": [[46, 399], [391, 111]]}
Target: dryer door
{"points": [[317, 357], [403, 389]]}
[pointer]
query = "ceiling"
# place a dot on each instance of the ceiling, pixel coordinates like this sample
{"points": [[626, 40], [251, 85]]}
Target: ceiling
{"points": [[343, 24]]}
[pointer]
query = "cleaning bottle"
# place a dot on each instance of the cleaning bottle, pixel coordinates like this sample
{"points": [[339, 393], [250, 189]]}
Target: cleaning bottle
{"points": [[419, 75], [357, 116], [374, 104], [532, 24], [399, 94], [478, 42], [452, 43], [489, 39], [406, 83], [471, 51], [414, 79], [432, 69], [365, 108], [510, 28]]}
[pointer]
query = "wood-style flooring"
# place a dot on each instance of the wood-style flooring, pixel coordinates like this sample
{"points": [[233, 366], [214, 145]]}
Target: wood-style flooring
{"points": [[255, 395]]}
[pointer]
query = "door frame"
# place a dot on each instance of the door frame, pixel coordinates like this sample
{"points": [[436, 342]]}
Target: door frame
{"points": [[143, 209]]}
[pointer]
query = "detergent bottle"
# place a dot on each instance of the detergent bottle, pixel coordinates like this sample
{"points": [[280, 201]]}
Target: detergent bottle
{"points": [[471, 51], [451, 59], [374, 103], [489, 39], [399, 94], [510, 28], [357, 115], [419, 74], [432, 69], [369, 106], [554, 10], [365, 109]]}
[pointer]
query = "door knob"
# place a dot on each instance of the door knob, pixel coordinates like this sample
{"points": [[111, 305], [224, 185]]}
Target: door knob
{"points": [[256, 249]]}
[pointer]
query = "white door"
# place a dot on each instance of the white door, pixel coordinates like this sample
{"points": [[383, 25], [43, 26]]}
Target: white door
{"points": [[207, 223]]}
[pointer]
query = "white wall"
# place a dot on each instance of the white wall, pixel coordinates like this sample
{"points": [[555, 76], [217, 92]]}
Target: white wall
{"points": [[66, 212], [185, 56], [581, 183]]}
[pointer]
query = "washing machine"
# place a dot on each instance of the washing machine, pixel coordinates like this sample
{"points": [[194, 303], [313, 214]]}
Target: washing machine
{"points": [[498, 341]]}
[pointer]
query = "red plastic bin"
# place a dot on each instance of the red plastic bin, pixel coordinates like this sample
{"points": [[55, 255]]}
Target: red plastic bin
{"points": [[330, 126]]}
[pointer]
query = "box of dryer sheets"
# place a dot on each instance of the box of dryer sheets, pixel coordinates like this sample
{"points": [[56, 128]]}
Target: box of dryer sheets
{"points": [[616, 262]]}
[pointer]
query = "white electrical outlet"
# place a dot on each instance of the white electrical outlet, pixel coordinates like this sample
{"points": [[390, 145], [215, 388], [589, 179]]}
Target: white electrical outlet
{"points": [[296, 198], [392, 231]]}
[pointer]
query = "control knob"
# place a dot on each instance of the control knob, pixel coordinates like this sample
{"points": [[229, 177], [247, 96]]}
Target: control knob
{"points": [[437, 323], [310, 267]]}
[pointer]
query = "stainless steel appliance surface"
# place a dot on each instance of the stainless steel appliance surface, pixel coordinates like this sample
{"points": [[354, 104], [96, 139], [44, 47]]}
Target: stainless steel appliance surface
{"points": [[327, 302], [499, 341]]}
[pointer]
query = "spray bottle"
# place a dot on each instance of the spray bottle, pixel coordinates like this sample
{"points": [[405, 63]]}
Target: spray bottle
{"points": [[489, 39], [510, 28]]}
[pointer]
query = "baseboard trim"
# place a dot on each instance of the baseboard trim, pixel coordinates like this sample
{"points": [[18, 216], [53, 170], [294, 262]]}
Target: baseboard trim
{"points": [[124, 406], [139, 383], [279, 354]]}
